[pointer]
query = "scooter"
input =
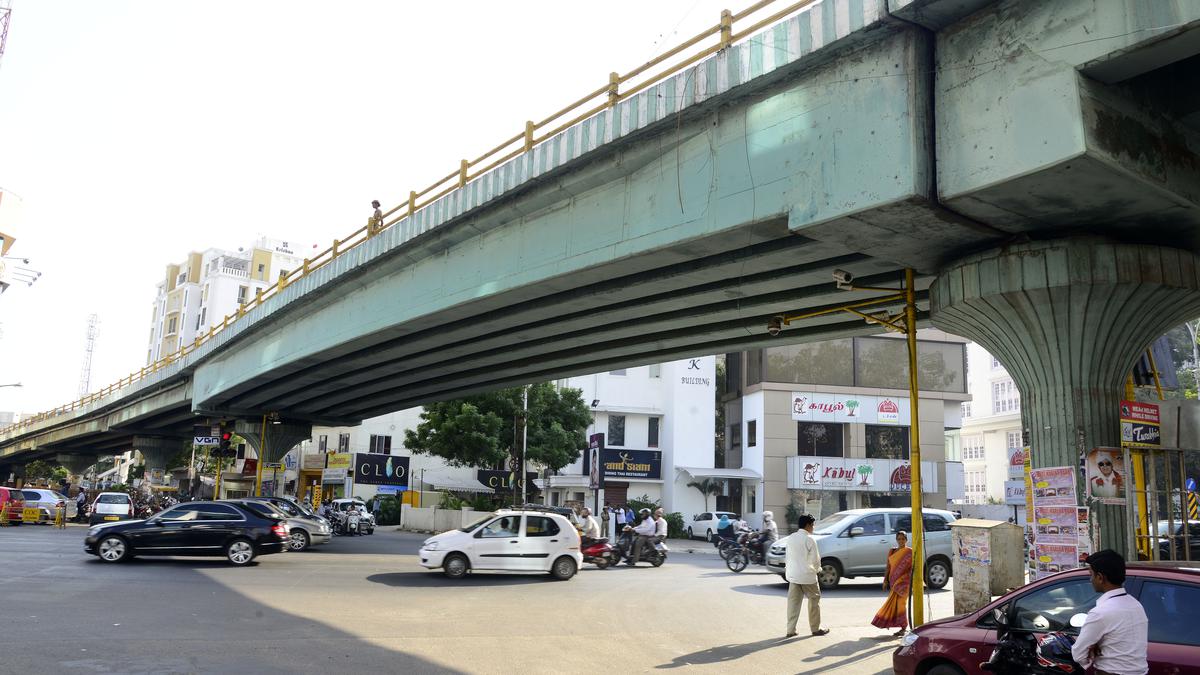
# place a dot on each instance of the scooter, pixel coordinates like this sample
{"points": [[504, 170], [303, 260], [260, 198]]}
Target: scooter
{"points": [[598, 552], [1020, 652], [656, 555]]}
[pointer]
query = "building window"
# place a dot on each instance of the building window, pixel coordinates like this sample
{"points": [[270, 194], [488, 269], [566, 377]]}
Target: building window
{"points": [[883, 363], [380, 445], [825, 362], [966, 409], [655, 371], [820, 439], [616, 429], [1013, 439], [996, 364], [735, 437], [887, 442], [243, 291], [1005, 397], [171, 326], [199, 318], [754, 372], [261, 268], [203, 316], [652, 436], [751, 433], [972, 448], [343, 442], [620, 372], [323, 443], [182, 278], [976, 486]]}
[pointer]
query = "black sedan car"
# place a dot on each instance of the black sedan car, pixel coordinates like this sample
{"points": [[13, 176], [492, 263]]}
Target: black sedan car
{"points": [[193, 528]]}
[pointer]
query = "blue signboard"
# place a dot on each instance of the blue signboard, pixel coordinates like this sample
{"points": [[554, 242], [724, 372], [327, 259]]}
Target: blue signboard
{"points": [[390, 489], [1191, 485]]}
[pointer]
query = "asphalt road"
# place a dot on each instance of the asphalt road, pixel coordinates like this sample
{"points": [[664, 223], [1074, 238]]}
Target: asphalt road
{"points": [[362, 604]]}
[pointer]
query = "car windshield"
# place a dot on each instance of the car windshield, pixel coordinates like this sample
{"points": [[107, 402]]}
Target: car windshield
{"points": [[827, 524], [263, 509], [31, 495], [287, 507], [477, 523], [304, 507], [113, 499]]}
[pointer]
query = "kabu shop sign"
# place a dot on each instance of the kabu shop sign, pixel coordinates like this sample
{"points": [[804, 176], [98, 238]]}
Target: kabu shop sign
{"points": [[375, 469], [810, 406], [631, 463]]}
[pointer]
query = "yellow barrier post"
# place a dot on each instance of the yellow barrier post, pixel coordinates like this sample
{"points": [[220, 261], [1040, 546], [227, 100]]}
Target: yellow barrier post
{"points": [[918, 519], [4, 515]]}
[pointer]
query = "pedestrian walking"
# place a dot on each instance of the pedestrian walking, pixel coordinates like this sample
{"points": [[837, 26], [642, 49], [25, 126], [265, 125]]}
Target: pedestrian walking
{"points": [[897, 579], [802, 564], [621, 522], [1113, 639]]}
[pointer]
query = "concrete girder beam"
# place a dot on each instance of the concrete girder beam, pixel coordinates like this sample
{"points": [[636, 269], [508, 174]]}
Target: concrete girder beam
{"points": [[76, 464], [1027, 142], [280, 438], [1068, 318]]}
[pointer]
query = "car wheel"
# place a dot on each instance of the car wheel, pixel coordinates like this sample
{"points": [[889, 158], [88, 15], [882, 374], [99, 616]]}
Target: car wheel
{"points": [[239, 552], [937, 573], [689, 533], [456, 566], [737, 561], [830, 574], [112, 549], [944, 669], [298, 540], [564, 568], [708, 535]]}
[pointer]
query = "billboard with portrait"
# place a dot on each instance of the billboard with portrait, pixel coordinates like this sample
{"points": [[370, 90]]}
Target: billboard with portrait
{"points": [[1105, 475]]}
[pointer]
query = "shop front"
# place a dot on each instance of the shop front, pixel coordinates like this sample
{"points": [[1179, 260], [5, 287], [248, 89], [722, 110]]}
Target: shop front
{"points": [[823, 485]]}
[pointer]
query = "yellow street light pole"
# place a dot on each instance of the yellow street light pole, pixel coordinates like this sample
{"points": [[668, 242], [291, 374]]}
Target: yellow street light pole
{"points": [[262, 454], [906, 324]]}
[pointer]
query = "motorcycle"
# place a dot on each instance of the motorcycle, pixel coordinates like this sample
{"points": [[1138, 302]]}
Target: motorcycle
{"points": [[742, 538], [656, 554], [749, 551], [1021, 652], [598, 552]]}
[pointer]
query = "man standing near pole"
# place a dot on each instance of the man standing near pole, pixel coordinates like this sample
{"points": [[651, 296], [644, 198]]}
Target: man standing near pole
{"points": [[803, 563]]}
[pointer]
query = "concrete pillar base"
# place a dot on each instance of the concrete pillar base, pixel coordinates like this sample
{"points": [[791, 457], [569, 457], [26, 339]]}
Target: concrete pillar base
{"points": [[1069, 318], [157, 451], [76, 464], [280, 438]]}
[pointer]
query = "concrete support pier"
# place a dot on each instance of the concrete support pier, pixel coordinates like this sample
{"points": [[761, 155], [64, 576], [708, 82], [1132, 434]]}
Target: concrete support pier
{"points": [[280, 437], [157, 451], [1069, 318]]}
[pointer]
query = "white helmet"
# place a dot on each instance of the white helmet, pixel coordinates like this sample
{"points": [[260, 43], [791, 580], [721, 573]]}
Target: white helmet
{"points": [[767, 515]]}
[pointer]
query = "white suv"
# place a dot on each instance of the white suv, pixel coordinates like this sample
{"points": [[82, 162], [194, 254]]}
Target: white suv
{"points": [[508, 541], [855, 543], [111, 506]]}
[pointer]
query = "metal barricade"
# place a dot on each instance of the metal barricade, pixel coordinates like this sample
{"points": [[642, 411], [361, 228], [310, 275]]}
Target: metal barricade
{"points": [[1164, 531]]}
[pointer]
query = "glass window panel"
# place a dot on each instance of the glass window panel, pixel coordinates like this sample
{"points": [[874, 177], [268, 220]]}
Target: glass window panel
{"points": [[820, 439], [887, 442], [616, 430], [754, 359], [829, 362], [883, 362]]}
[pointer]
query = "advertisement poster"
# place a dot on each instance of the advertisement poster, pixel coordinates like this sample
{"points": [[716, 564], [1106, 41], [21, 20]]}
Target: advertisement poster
{"points": [[1083, 530], [1056, 524], [1140, 424], [1054, 558], [595, 446], [1105, 471], [1053, 486], [972, 546]]}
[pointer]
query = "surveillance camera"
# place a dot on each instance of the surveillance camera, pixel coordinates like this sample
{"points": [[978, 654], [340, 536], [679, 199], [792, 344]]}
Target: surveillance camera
{"points": [[842, 276], [775, 326]]}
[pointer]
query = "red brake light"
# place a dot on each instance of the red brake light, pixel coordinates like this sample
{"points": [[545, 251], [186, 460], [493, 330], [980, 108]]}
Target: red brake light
{"points": [[280, 529]]}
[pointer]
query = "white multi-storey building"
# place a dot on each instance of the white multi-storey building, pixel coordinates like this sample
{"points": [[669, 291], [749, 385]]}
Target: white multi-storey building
{"points": [[991, 427], [207, 286]]}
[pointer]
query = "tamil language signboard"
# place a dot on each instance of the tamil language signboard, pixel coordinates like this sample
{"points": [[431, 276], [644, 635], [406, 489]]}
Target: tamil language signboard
{"points": [[810, 406]]}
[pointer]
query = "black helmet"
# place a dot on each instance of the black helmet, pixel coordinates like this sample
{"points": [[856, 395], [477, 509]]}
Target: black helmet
{"points": [[1054, 652]]}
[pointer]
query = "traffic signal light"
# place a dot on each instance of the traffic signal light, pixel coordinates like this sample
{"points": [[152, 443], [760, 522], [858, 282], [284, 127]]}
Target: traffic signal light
{"points": [[225, 449]]}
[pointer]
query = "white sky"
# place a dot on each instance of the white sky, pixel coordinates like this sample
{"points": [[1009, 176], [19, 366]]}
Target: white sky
{"points": [[136, 132]]}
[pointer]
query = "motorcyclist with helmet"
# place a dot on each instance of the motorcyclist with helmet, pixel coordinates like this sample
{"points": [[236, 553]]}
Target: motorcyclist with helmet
{"points": [[645, 530]]}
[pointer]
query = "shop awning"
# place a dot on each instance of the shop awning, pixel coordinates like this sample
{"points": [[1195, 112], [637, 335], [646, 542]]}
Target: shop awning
{"points": [[735, 474], [456, 484]]}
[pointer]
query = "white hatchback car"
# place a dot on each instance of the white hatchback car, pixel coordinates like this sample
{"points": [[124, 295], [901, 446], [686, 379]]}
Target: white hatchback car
{"points": [[507, 541]]}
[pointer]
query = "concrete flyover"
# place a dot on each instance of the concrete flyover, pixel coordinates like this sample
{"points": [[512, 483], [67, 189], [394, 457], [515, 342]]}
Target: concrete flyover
{"points": [[861, 135]]}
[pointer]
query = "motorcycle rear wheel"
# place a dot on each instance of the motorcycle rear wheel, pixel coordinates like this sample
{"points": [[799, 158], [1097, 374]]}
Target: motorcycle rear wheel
{"points": [[737, 562], [600, 562], [659, 560]]}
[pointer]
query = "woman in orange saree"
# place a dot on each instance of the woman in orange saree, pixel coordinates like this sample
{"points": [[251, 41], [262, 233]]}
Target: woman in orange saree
{"points": [[894, 613]]}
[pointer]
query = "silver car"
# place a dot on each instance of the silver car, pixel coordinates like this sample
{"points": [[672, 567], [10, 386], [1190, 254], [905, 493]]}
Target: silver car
{"points": [[855, 543], [47, 501], [303, 530]]}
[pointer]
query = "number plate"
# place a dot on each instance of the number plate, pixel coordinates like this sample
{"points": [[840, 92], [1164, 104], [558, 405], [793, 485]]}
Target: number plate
{"points": [[112, 517]]}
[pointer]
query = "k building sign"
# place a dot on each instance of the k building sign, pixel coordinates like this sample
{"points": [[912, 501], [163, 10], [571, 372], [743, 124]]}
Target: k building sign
{"points": [[856, 474], [809, 406]]}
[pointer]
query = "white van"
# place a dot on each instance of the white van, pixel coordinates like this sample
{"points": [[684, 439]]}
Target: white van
{"points": [[509, 540], [110, 507]]}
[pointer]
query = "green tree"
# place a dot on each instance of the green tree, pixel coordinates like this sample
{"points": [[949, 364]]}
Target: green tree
{"points": [[481, 430], [41, 471], [707, 486], [719, 440]]}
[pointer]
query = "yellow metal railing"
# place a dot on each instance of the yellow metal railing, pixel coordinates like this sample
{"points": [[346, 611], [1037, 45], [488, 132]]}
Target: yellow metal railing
{"points": [[648, 74]]}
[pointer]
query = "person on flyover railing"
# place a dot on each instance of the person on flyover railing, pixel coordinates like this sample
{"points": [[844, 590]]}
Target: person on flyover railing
{"points": [[375, 222]]}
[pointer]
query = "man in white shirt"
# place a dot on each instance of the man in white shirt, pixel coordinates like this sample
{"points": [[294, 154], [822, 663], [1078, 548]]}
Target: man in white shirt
{"points": [[1113, 639], [645, 532], [802, 564], [591, 529], [660, 526]]}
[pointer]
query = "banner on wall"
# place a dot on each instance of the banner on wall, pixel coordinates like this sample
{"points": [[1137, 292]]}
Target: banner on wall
{"points": [[857, 474], [1140, 424], [810, 406]]}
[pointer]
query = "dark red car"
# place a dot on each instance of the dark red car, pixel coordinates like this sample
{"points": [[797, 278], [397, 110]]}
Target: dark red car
{"points": [[1170, 595]]}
